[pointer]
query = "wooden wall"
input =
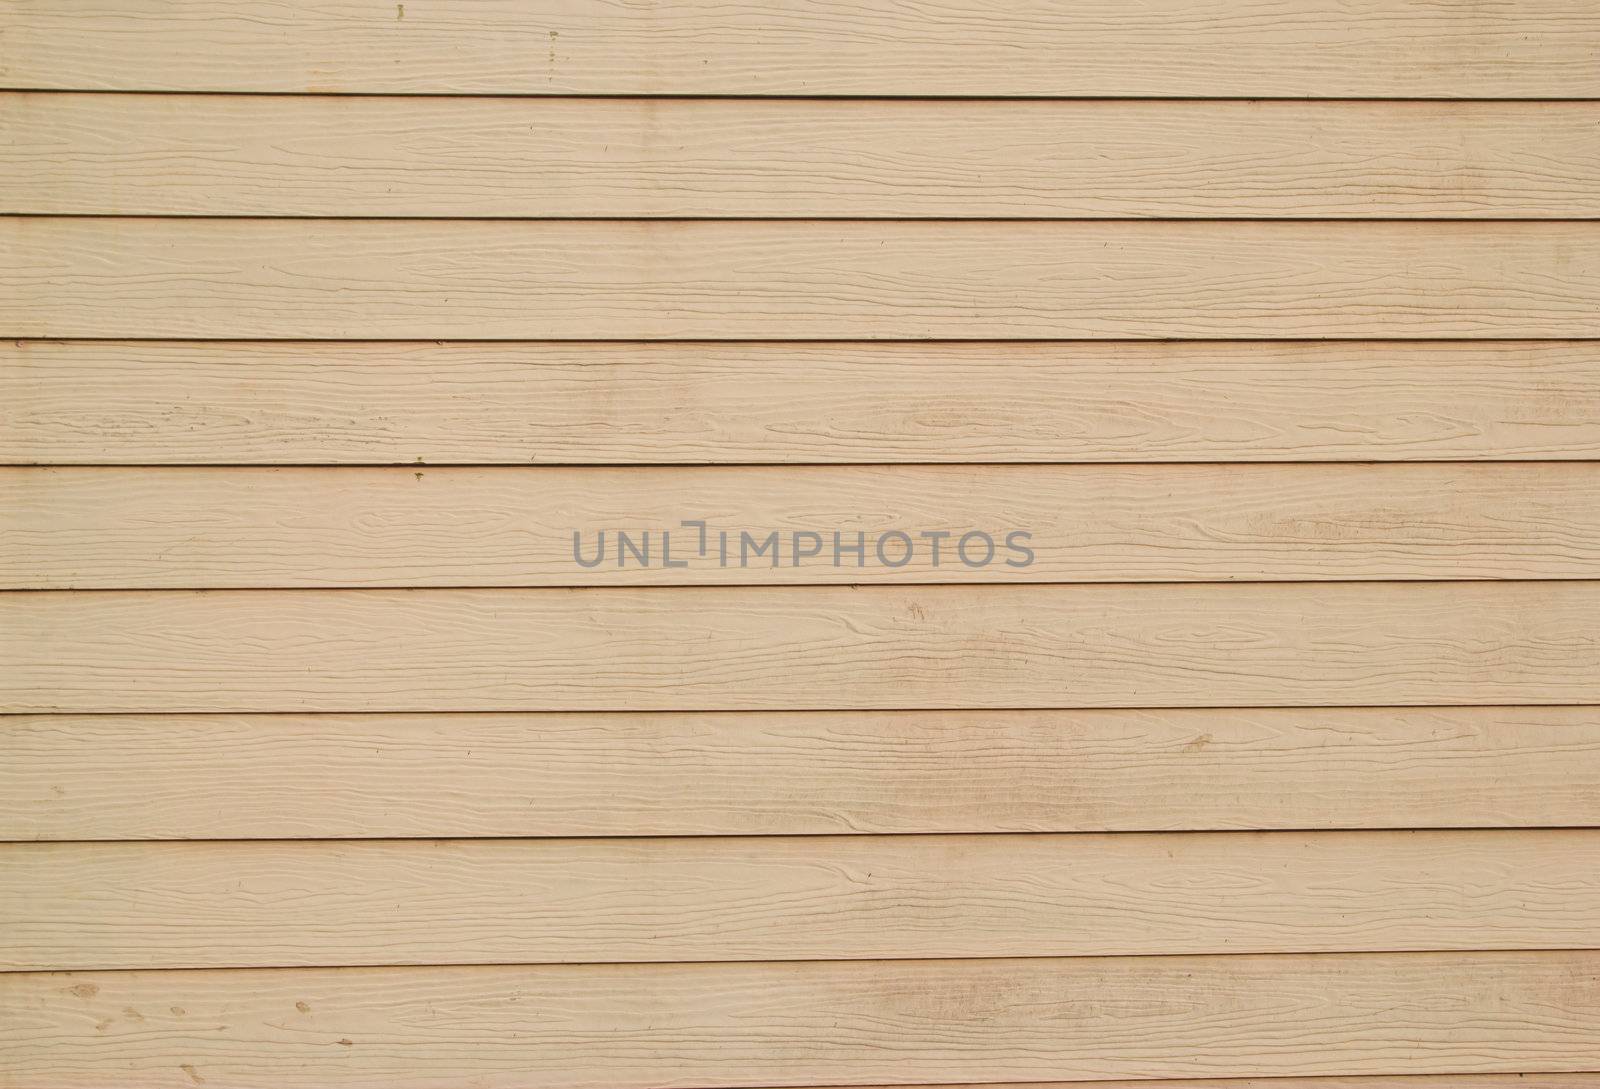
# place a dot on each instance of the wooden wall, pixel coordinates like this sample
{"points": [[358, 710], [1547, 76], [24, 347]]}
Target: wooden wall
{"points": [[1275, 322]]}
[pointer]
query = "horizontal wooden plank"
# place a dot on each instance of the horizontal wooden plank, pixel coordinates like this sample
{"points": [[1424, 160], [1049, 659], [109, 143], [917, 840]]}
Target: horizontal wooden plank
{"points": [[1395, 1081], [318, 904], [725, 1025], [797, 158], [719, 280], [805, 648], [1232, 48], [204, 528], [87, 402], [111, 777]]}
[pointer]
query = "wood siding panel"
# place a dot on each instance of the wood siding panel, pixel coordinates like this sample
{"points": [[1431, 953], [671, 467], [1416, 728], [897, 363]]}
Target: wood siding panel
{"points": [[818, 647], [325, 764], [146, 403], [793, 159], [1398, 1081], [1218, 48], [210, 528], [1401, 1081], [267, 905], [430, 279], [109, 777], [727, 1025]]}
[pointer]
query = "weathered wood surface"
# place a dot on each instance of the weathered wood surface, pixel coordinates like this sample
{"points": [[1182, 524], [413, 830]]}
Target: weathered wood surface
{"points": [[246, 155], [1216, 48], [821, 1023], [219, 403], [201, 528], [318, 904], [111, 777], [805, 648], [729, 280]]}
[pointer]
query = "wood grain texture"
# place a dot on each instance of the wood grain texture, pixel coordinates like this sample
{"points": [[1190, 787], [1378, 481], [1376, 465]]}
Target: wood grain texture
{"points": [[798, 1023], [147, 403], [111, 777], [517, 157], [317, 904], [200, 528], [720, 280], [1228, 48], [805, 648]]}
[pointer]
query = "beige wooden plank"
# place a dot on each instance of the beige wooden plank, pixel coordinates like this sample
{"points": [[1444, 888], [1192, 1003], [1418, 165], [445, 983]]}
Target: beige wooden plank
{"points": [[109, 777], [87, 402], [432, 279], [110, 528], [798, 1023], [796, 158], [1398, 1081], [1229, 48], [311, 904], [805, 648]]}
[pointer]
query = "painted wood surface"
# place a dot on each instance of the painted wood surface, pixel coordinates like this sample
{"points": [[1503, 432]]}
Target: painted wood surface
{"points": [[83, 402], [1401, 1081], [267, 905], [652, 280], [271, 527], [166, 776], [806, 648], [304, 390], [726, 1025], [1216, 48], [794, 158]]}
